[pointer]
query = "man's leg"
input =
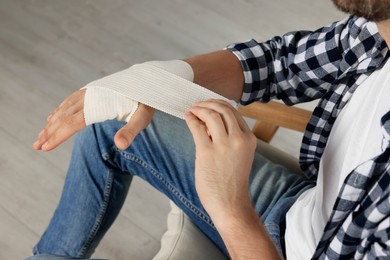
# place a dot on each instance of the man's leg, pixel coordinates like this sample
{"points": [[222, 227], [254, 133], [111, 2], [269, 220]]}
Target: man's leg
{"points": [[92, 196], [99, 176], [163, 154], [273, 190]]}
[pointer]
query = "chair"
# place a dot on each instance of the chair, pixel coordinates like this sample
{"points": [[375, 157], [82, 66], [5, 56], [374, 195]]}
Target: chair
{"points": [[183, 240]]}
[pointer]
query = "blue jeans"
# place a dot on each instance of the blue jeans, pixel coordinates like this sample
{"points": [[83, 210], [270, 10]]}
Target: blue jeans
{"points": [[100, 174]]}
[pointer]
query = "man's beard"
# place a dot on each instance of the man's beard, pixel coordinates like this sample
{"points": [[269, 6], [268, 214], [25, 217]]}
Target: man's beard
{"points": [[372, 10]]}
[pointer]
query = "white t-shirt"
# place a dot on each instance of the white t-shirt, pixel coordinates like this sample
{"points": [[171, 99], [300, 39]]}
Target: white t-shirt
{"points": [[356, 137]]}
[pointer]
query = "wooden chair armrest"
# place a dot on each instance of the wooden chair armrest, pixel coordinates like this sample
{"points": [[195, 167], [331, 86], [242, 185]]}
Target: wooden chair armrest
{"points": [[269, 116]]}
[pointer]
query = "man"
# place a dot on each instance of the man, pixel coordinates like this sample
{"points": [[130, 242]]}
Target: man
{"points": [[342, 211]]}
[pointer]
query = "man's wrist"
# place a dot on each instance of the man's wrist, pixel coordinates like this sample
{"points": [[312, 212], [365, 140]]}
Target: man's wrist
{"points": [[240, 219], [245, 236]]}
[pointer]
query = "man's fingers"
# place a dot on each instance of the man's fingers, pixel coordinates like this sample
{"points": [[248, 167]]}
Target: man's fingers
{"points": [[57, 132], [141, 118], [70, 111], [197, 129], [71, 105], [213, 120], [41, 140], [226, 112], [63, 122]]}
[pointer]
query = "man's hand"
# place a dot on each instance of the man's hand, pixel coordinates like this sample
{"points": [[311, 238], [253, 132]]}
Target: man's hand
{"points": [[224, 154], [68, 118]]}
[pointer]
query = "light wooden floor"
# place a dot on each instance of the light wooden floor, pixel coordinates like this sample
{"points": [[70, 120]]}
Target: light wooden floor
{"points": [[49, 48]]}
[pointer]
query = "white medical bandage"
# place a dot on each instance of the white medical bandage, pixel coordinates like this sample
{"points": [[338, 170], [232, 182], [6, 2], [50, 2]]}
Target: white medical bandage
{"points": [[164, 85]]}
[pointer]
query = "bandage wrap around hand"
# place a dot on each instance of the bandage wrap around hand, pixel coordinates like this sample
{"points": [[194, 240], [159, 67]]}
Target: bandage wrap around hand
{"points": [[164, 85]]}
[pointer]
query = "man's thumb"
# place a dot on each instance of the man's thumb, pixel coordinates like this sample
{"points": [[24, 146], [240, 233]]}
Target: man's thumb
{"points": [[141, 119]]}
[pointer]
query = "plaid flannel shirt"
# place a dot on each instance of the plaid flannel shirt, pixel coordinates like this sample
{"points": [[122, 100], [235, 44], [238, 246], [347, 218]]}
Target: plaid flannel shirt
{"points": [[329, 64]]}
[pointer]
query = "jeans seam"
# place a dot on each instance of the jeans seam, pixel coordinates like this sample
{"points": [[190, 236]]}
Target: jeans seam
{"points": [[175, 192], [101, 215]]}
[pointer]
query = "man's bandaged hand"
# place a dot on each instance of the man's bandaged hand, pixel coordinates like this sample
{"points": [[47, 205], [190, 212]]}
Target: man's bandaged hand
{"points": [[68, 118], [101, 104], [116, 96], [97, 103]]}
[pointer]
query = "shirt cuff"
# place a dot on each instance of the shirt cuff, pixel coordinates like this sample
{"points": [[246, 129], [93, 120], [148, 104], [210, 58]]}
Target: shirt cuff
{"points": [[255, 69]]}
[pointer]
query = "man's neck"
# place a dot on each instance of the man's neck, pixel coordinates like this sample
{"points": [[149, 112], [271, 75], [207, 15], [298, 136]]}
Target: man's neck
{"points": [[384, 30]]}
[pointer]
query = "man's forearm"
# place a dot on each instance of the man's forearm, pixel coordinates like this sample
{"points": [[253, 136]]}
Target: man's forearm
{"points": [[220, 72], [240, 228]]}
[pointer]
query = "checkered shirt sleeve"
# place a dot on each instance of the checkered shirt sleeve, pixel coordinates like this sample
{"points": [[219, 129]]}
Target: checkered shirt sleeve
{"points": [[299, 66]]}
